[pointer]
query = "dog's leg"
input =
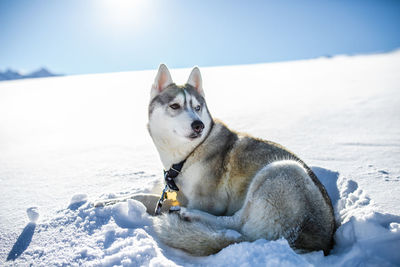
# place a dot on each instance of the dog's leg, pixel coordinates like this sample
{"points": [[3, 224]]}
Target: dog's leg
{"points": [[112, 201], [229, 222], [148, 200]]}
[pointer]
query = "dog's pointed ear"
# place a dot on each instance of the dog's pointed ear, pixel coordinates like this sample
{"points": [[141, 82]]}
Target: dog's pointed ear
{"points": [[162, 80], [196, 81]]}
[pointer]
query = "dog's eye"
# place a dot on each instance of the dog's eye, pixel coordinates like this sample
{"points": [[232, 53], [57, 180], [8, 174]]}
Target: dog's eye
{"points": [[197, 108], [175, 106]]}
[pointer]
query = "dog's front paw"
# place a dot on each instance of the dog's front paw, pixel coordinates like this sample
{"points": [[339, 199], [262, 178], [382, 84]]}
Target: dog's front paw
{"points": [[189, 215], [183, 214], [103, 203], [174, 209]]}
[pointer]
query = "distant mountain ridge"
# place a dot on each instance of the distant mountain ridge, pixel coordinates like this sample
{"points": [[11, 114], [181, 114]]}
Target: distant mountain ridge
{"points": [[15, 75]]}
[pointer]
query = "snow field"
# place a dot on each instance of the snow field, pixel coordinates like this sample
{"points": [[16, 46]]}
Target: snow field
{"points": [[67, 142], [122, 234]]}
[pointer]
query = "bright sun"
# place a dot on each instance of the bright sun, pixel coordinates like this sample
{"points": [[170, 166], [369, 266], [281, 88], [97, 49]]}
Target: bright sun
{"points": [[124, 13]]}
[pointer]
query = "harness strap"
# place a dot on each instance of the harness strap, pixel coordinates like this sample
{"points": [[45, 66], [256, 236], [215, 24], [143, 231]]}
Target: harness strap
{"points": [[172, 173], [169, 176]]}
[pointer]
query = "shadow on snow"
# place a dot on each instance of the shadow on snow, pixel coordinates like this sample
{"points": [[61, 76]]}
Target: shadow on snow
{"points": [[22, 242]]}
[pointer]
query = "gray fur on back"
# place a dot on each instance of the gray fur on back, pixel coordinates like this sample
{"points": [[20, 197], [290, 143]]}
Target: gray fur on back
{"points": [[236, 159]]}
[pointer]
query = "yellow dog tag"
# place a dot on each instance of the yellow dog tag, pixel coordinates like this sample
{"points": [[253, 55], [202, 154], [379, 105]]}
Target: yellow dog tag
{"points": [[172, 196]]}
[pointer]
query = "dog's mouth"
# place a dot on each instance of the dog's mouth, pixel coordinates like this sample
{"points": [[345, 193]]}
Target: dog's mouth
{"points": [[193, 136]]}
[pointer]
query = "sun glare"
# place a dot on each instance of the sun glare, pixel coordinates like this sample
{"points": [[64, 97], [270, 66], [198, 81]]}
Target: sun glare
{"points": [[123, 13]]}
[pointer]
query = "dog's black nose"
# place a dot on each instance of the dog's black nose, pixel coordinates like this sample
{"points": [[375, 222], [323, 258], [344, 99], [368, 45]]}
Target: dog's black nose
{"points": [[197, 126]]}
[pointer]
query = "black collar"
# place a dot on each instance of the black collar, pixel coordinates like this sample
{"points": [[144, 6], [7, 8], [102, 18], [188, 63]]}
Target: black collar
{"points": [[172, 173]]}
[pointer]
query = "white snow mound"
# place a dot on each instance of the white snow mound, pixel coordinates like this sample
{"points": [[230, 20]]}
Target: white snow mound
{"points": [[33, 214]]}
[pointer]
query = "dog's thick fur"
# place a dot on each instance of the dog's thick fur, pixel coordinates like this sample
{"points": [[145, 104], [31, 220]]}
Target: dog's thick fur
{"points": [[231, 180], [233, 187]]}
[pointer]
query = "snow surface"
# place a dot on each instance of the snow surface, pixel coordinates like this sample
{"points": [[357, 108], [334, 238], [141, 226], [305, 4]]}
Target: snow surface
{"points": [[67, 142]]}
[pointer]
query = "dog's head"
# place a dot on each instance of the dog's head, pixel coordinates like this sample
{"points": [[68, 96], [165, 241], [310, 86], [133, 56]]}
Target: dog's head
{"points": [[178, 115]]}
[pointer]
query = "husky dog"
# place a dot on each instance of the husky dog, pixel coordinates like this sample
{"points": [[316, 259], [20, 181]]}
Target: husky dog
{"points": [[232, 187]]}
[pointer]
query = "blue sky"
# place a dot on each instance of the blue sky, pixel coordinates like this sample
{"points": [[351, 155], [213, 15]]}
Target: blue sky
{"points": [[93, 36]]}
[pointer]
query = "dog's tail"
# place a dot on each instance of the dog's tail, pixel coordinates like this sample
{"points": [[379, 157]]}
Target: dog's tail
{"points": [[197, 238]]}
